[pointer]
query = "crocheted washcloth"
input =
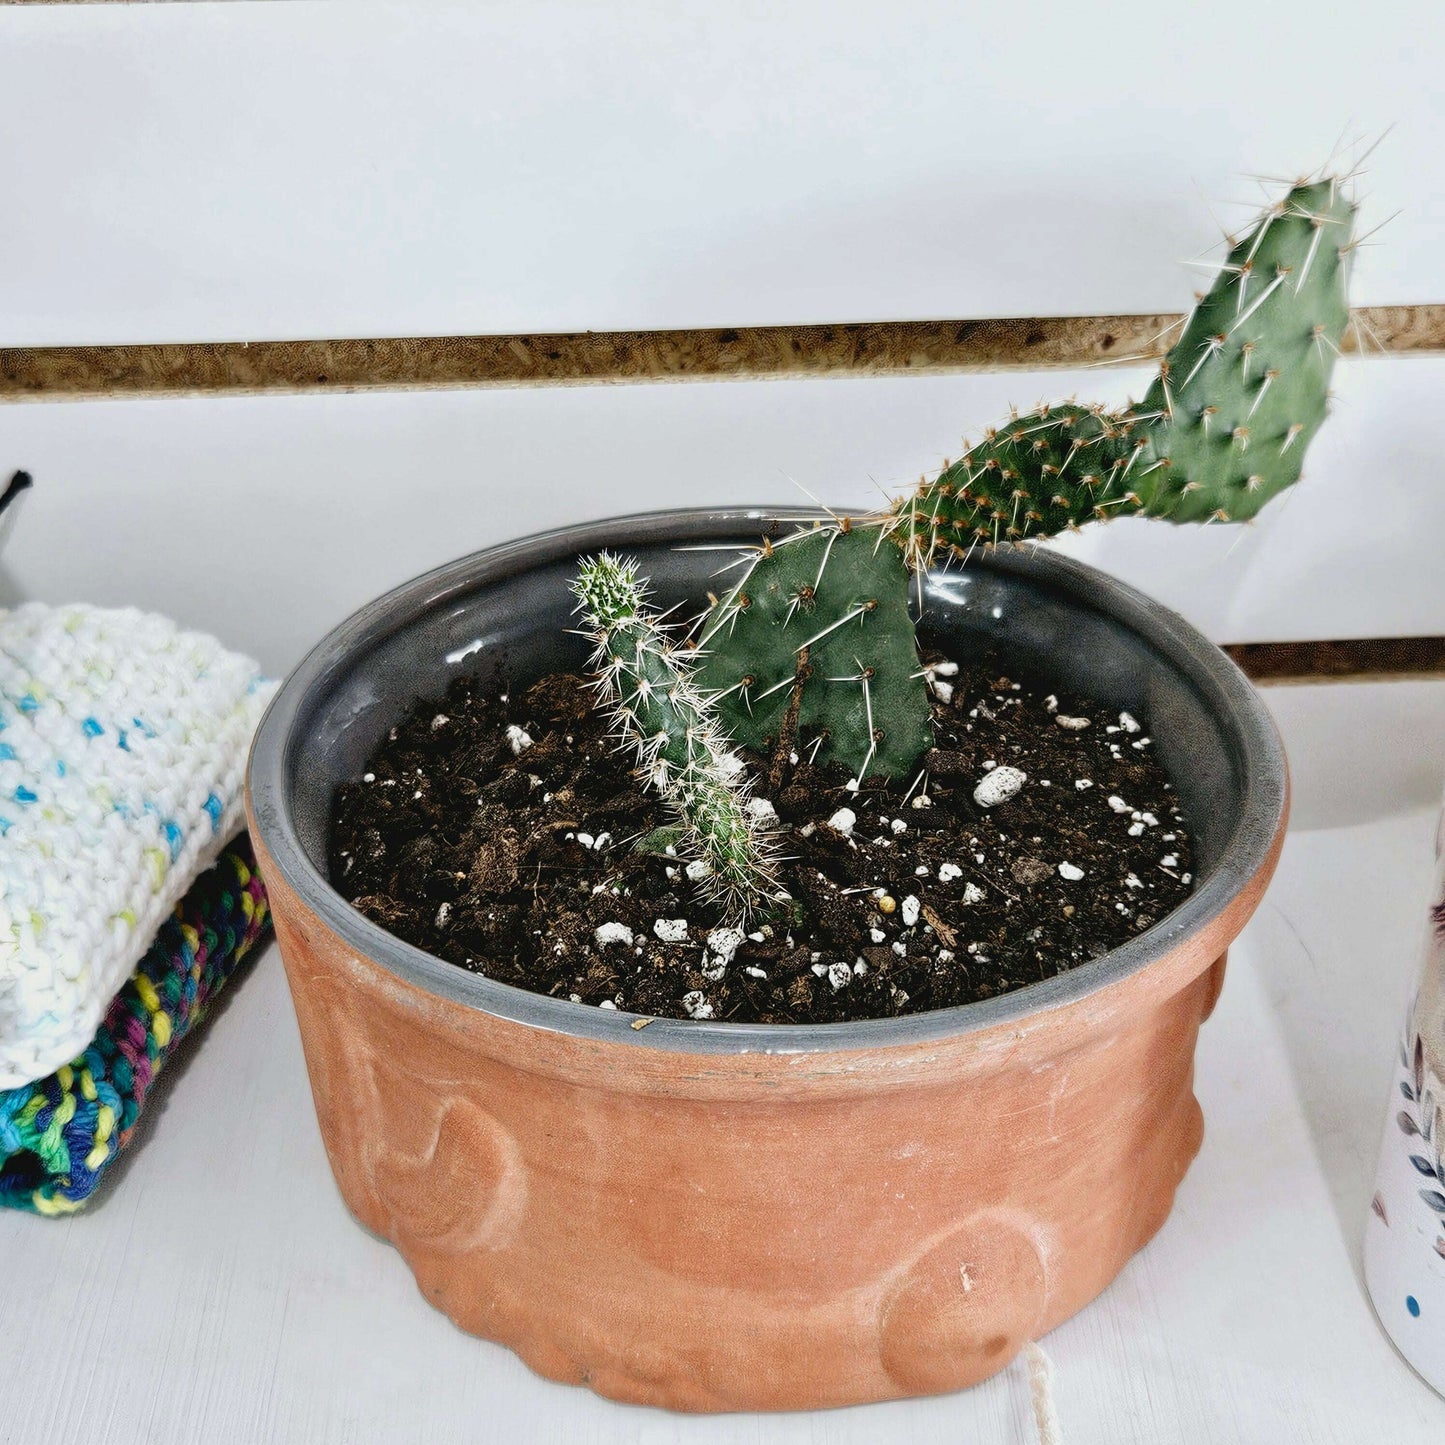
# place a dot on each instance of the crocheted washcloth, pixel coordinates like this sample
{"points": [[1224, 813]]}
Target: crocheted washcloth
{"points": [[122, 752], [58, 1136]]}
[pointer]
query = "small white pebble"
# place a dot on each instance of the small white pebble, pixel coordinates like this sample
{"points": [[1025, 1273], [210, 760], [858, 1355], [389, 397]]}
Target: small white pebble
{"points": [[999, 786], [842, 821], [755, 972], [1186, 878], [839, 975], [807, 830], [898, 826], [922, 801], [607, 1003], [1118, 804], [945, 669], [601, 841], [947, 872], [757, 937], [671, 872], [1071, 871], [1051, 703], [368, 777], [586, 839], [608, 933], [972, 893], [1169, 860], [697, 1005], [921, 871], [1135, 829], [443, 913], [877, 935], [910, 909], [978, 857], [729, 764], [859, 967], [1071, 724], [762, 812], [851, 785], [1083, 784], [725, 942], [943, 691], [439, 722], [820, 969], [1132, 881], [793, 759], [698, 869], [520, 739], [901, 949], [1128, 723], [574, 998], [1150, 819], [670, 930]]}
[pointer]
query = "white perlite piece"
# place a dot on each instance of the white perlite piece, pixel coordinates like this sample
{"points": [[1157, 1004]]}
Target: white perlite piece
{"points": [[1128, 722], [519, 738], [898, 826], [999, 786], [724, 943], [762, 812], [947, 872], [1071, 724], [697, 1005], [877, 935], [842, 821], [698, 869], [439, 722], [972, 893], [839, 975], [1071, 871], [1083, 784], [910, 910], [610, 933], [1118, 804], [671, 930], [943, 691]]}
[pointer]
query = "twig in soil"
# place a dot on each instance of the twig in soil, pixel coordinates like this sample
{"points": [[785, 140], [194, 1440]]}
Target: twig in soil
{"points": [[788, 732]]}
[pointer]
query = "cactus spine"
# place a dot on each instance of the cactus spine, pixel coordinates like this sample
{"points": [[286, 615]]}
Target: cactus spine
{"points": [[681, 749], [1222, 430]]}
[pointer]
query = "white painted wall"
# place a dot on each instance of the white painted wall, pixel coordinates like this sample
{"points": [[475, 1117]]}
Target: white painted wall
{"points": [[246, 170]]}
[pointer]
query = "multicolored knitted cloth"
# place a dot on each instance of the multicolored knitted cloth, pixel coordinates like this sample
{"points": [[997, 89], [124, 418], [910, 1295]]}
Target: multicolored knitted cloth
{"points": [[123, 742], [60, 1134]]}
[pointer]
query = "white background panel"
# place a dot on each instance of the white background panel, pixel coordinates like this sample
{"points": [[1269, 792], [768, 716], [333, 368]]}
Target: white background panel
{"points": [[266, 520], [197, 171]]}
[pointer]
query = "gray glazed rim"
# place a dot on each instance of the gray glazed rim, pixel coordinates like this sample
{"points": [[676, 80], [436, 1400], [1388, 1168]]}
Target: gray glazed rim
{"points": [[1231, 698]]}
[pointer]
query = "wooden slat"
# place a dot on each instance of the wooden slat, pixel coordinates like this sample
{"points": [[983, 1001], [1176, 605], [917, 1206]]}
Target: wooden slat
{"points": [[871, 348], [1370, 659]]}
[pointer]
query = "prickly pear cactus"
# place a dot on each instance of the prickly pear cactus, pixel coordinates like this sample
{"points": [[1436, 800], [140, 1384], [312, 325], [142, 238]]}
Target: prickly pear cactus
{"points": [[1244, 390], [1223, 430], [658, 709], [823, 616]]}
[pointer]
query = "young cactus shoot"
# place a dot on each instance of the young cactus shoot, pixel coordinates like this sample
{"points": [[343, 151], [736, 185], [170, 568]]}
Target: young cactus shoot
{"points": [[1222, 430], [658, 709]]}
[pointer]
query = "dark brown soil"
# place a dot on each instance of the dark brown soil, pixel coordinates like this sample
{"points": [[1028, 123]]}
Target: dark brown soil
{"points": [[509, 863]]}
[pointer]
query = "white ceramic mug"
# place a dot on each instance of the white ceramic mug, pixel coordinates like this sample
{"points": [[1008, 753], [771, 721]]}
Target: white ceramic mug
{"points": [[1405, 1231]]}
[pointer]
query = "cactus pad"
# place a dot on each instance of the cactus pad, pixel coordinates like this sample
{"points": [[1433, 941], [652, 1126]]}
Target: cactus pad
{"points": [[831, 604]]}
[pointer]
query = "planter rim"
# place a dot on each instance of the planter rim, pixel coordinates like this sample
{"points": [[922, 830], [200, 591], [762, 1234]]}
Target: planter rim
{"points": [[1227, 692]]}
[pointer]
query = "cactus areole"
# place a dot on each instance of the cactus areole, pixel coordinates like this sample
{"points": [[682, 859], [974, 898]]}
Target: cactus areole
{"points": [[1222, 431]]}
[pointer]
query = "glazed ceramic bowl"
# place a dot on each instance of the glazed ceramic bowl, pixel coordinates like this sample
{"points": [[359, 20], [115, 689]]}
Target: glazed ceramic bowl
{"points": [[713, 1216]]}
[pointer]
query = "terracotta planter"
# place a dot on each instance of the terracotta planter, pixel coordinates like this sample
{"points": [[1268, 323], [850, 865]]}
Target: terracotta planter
{"points": [[710, 1216]]}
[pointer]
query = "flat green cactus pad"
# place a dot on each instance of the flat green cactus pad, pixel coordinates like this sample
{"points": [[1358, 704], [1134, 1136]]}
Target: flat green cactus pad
{"points": [[833, 602]]}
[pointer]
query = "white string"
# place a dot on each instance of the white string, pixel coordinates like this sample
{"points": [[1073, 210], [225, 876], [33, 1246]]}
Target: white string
{"points": [[1041, 1393]]}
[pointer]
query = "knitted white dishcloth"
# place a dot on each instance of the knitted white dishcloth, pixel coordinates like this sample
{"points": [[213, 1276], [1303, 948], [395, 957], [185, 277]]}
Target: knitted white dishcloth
{"points": [[123, 745]]}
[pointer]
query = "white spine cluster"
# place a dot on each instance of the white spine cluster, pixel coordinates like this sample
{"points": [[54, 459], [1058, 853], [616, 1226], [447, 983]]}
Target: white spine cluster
{"points": [[658, 710]]}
